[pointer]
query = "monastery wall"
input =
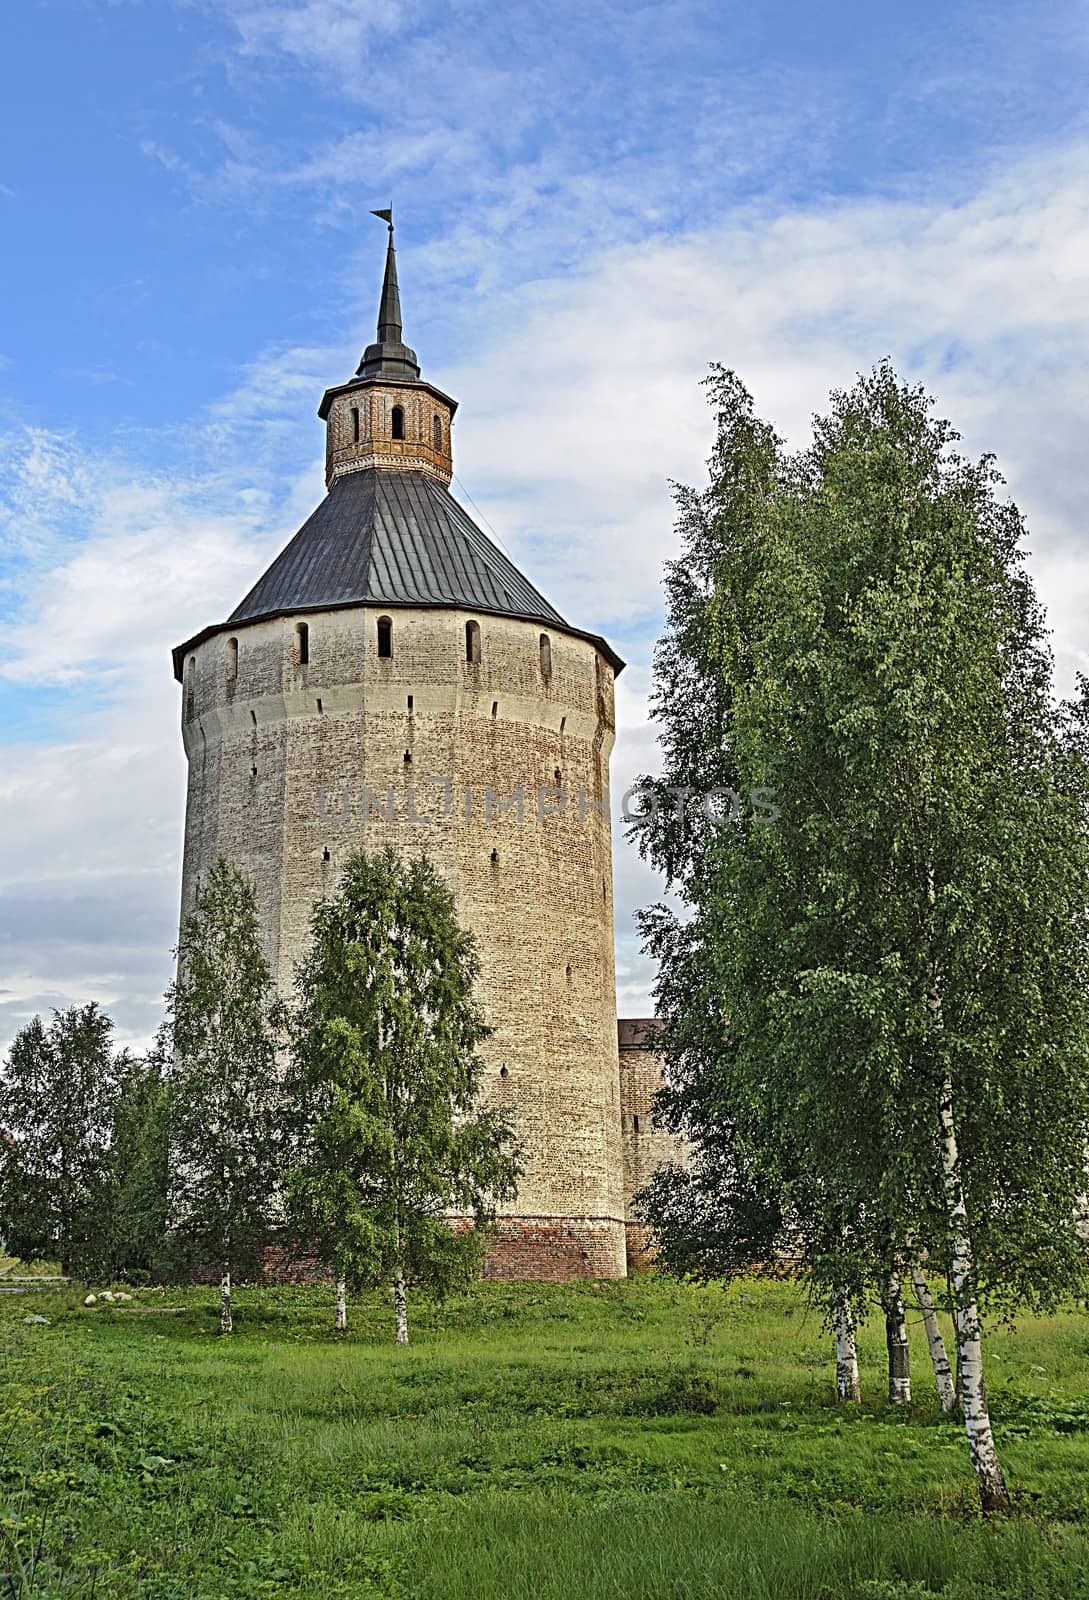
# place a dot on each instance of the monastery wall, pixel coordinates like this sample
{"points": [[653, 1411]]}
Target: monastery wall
{"points": [[645, 1144]]}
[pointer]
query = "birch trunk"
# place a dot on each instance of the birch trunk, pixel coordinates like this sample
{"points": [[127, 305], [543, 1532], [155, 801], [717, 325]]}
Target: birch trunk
{"points": [[943, 1375], [993, 1494], [847, 1384], [896, 1341], [226, 1323], [342, 1305], [400, 1300]]}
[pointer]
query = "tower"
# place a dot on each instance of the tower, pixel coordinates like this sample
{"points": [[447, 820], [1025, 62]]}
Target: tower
{"points": [[393, 678]]}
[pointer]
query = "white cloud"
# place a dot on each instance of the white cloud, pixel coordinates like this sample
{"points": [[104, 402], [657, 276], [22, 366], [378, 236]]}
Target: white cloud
{"points": [[586, 398], [334, 36], [516, 142]]}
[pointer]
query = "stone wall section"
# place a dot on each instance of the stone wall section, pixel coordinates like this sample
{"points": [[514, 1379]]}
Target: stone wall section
{"points": [[646, 1145]]}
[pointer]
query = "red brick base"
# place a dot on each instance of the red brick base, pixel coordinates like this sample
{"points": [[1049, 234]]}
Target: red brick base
{"points": [[547, 1249], [554, 1249]]}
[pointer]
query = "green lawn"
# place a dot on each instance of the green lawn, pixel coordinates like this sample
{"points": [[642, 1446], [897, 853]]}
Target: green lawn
{"points": [[534, 1443]]}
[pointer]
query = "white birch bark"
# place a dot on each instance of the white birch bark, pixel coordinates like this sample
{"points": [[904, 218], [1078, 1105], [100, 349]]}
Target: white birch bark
{"points": [[847, 1384], [400, 1300], [993, 1493], [342, 1305], [226, 1323], [943, 1374], [896, 1341]]}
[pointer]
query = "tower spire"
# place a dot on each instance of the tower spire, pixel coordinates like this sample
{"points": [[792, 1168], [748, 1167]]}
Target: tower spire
{"points": [[389, 309], [390, 356]]}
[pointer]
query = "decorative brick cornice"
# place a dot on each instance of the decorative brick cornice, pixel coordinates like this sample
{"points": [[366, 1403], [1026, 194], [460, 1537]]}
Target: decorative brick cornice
{"points": [[420, 463]]}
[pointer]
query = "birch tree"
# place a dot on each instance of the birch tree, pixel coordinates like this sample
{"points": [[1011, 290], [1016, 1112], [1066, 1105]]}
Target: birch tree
{"points": [[225, 1103], [392, 1145], [58, 1092], [896, 1341], [894, 972], [943, 1373]]}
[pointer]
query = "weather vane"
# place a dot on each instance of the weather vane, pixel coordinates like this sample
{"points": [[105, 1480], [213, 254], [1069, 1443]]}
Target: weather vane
{"points": [[387, 216]]}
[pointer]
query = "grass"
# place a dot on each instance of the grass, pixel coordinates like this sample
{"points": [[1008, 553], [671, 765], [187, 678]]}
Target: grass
{"points": [[638, 1439]]}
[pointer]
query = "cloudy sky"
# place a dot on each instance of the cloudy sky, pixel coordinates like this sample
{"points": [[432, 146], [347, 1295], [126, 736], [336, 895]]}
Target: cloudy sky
{"points": [[594, 202]]}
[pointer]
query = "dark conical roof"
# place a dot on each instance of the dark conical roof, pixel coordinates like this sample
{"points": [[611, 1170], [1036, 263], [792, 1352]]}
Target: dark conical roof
{"points": [[388, 538], [389, 307], [399, 538]]}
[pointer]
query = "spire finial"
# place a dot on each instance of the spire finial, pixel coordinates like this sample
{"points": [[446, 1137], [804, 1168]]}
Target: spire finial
{"points": [[389, 357], [389, 309]]}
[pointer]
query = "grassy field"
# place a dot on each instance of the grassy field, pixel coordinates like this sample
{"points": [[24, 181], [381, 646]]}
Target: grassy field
{"points": [[636, 1439]]}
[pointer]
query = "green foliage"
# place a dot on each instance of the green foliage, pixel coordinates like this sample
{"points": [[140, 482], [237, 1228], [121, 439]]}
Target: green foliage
{"points": [[852, 628], [58, 1095], [539, 1440], [139, 1164], [225, 1108], [384, 1082]]}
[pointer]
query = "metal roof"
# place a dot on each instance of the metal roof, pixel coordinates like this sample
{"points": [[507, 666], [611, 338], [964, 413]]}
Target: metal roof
{"points": [[391, 538]]}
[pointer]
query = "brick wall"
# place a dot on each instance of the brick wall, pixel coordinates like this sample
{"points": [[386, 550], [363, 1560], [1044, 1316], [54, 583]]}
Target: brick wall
{"points": [[359, 431], [645, 1146], [555, 1249]]}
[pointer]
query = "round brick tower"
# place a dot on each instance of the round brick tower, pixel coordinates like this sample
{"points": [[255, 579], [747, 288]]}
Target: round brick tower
{"points": [[393, 678]]}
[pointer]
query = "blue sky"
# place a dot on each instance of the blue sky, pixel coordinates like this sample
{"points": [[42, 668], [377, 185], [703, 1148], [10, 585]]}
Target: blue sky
{"points": [[593, 203]]}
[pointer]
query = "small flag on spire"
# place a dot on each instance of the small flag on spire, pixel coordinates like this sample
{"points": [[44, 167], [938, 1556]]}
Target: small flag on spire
{"points": [[387, 216]]}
